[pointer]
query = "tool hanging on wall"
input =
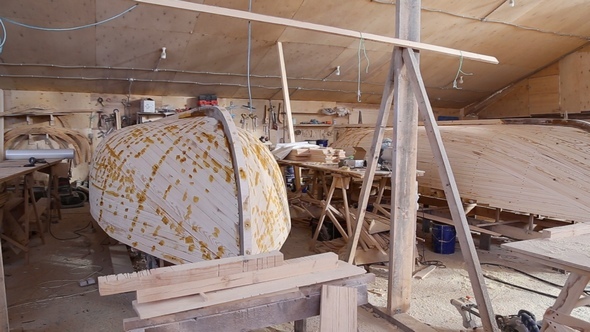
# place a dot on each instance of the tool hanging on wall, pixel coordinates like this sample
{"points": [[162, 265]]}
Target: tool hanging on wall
{"points": [[243, 121], [254, 118], [265, 125]]}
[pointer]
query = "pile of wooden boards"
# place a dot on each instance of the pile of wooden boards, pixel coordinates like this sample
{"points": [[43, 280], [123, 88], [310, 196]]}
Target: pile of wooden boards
{"points": [[321, 155], [196, 286], [374, 240]]}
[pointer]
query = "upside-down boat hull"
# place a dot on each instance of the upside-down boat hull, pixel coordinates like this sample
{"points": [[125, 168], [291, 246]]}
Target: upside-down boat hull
{"points": [[189, 187]]}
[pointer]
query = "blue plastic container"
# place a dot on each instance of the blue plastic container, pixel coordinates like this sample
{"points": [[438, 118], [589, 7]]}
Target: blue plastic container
{"points": [[443, 238]]}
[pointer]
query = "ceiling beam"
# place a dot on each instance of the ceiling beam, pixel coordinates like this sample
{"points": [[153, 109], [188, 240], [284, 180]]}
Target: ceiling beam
{"points": [[240, 14]]}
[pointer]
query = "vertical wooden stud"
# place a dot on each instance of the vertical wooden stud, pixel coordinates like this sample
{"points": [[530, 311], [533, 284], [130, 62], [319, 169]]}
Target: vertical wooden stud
{"points": [[403, 178], [338, 309], [286, 97]]}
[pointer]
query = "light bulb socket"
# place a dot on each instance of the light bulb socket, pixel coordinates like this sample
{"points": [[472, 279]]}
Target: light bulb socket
{"points": [[337, 70], [163, 54]]}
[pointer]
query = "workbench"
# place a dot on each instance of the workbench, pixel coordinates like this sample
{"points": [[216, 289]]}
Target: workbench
{"points": [[567, 252], [341, 178], [12, 170]]}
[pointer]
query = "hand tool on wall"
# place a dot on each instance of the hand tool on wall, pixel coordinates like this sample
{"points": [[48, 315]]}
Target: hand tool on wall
{"points": [[243, 121], [254, 118]]}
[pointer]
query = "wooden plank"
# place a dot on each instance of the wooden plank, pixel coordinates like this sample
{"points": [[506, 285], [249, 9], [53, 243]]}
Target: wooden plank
{"points": [[2, 152], [569, 296], [452, 194], [564, 253], [405, 141], [4, 325], [554, 317], [566, 231], [121, 283], [338, 309], [4, 322], [403, 321], [370, 256], [318, 27], [451, 222], [165, 307], [424, 272], [254, 313], [120, 259], [372, 158], [286, 97], [293, 267]]}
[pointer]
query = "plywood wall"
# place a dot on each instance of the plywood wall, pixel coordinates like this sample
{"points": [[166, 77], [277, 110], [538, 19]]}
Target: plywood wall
{"points": [[82, 113], [563, 87]]}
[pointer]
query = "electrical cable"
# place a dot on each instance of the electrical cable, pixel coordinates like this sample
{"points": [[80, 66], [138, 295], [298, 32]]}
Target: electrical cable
{"points": [[77, 232], [248, 59], [72, 28], [364, 49], [3, 35]]}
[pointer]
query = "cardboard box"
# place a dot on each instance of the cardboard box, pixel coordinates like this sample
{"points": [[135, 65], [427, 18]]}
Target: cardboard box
{"points": [[147, 106]]}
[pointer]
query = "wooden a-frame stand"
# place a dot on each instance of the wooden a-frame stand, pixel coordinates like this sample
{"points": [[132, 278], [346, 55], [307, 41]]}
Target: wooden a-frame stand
{"points": [[404, 87]]}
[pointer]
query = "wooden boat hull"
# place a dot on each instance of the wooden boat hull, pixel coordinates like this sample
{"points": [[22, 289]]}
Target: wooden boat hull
{"points": [[189, 187], [534, 166]]}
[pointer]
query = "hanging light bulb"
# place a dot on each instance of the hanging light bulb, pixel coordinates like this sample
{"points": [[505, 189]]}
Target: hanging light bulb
{"points": [[163, 54], [460, 79], [511, 3]]}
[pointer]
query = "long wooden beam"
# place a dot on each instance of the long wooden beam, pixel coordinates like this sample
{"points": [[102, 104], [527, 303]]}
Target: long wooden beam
{"points": [[286, 97], [3, 305], [240, 14], [404, 188], [452, 193]]}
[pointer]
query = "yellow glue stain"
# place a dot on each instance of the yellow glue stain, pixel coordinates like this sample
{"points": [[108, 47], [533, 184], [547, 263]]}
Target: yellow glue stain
{"points": [[153, 248], [185, 196], [211, 178], [161, 242], [195, 199], [156, 231], [215, 232], [134, 244], [165, 220]]}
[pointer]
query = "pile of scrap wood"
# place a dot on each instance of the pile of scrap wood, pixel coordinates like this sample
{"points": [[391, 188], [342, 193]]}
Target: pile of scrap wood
{"points": [[321, 155], [180, 288], [374, 240]]}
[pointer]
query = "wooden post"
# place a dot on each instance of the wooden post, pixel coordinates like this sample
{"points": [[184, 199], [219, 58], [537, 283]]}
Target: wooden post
{"points": [[452, 193], [286, 98], [403, 178], [372, 157], [338, 309], [4, 327]]}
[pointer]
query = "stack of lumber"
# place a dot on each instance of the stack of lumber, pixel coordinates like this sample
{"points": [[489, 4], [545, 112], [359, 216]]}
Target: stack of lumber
{"points": [[321, 155], [174, 289], [374, 240]]}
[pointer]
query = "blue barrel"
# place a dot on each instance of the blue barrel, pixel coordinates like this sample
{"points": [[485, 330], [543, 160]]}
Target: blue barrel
{"points": [[443, 238]]}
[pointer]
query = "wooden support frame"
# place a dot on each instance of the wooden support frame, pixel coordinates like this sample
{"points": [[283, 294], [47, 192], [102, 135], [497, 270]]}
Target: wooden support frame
{"points": [[244, 15], [404, 194], [451, 193], [252, 313], [4, 326]]}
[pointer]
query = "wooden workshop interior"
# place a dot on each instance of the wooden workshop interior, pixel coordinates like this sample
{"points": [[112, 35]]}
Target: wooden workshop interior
{"points": [[295, 165]]}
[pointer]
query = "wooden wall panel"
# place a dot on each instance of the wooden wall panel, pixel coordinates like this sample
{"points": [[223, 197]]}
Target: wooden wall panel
{"points": [[544, 95]]}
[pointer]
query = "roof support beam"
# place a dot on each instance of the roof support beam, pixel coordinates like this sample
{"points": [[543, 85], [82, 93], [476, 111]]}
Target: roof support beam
{"points": [[240, 14]]}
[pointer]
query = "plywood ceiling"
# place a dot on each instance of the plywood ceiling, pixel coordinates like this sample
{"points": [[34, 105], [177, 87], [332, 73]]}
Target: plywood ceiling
{"points": [[208, 54]]}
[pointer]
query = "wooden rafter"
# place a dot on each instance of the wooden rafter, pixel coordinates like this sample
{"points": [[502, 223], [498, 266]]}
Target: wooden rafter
{"points": [[240, 14]]}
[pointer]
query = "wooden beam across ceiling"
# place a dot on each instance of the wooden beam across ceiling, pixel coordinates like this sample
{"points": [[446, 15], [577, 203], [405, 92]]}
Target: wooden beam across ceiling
{"points": [[240, 14]]}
